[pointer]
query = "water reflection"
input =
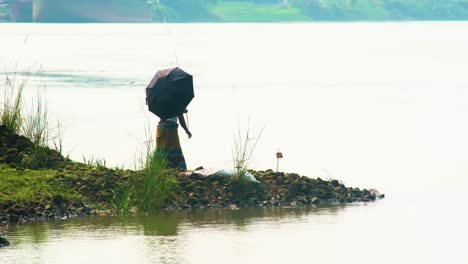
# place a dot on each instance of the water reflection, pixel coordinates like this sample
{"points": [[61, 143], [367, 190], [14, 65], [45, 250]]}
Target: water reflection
{"points": [[168, 237], [166, 223], [158, 225]]}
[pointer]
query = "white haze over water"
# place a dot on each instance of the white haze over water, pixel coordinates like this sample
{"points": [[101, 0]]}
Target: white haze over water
{"points": [[379, 105], [373, 104]]}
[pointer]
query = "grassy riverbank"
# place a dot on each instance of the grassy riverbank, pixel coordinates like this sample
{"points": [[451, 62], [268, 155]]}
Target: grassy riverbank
{"points": [[72, 188], [32, 187], [76, 189]]}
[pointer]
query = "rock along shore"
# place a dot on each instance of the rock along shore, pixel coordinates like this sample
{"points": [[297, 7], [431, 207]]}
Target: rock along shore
{"points": [[3, 242]]}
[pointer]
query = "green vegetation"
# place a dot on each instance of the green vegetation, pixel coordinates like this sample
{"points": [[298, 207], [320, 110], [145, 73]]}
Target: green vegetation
{"points": [[308, 10], [36, 123], [149, 189], [244, 146], [11, 114], [300, 10], [35, 180], [154, 185], [94, 162], [34, 176], [29, 132], [26, 187], [384, 9]]}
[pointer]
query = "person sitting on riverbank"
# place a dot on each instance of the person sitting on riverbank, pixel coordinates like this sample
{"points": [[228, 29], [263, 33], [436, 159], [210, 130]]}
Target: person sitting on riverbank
{"points": [[167, 140]]}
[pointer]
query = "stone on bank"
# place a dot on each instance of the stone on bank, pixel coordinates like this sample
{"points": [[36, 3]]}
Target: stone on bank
{"points": [[3, 242]]}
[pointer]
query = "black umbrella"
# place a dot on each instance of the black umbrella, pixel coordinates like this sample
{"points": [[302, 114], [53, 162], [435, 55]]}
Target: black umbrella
{"points": [[169, 93]]}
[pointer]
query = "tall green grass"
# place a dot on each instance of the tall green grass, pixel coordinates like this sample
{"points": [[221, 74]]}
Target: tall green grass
{"points": [[33, 122], [11, 112], [36, 123], [244, 146], [150, 188], [155, 184]]}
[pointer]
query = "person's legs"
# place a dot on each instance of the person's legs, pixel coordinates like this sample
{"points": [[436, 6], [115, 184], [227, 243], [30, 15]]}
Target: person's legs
{"points": [[167, 143]]}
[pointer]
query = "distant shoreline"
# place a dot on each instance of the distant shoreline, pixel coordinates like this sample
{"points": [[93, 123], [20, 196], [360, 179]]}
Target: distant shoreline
{"points": [[240, 11], [255, 22]]}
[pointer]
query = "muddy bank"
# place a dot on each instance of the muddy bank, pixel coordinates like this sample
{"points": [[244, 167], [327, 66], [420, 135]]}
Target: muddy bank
{"points": [[18, 151]]}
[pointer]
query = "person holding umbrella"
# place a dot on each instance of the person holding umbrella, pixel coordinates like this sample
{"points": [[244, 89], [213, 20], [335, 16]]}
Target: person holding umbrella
{"points": [[168, 95]]}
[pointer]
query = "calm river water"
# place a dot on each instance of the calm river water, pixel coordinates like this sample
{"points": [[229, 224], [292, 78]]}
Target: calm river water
{"points": [[373, 104]]}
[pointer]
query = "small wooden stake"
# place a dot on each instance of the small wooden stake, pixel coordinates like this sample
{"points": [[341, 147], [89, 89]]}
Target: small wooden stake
{"points": [[279, 156]]}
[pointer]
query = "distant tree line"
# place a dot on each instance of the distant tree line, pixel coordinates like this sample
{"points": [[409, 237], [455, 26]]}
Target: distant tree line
{"points": [[384, 9], [313, 10], [328, 10]]}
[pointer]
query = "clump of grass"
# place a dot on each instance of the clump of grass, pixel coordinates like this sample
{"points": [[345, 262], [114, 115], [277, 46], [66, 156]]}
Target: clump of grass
{"points": [[36, 124], [122, 199], [95, 162], [244, 146], [155, 184], [58, 139], [11, 113], [150, 188]]}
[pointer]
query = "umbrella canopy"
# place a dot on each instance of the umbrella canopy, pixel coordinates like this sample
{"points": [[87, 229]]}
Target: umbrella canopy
{"points": [[169, 92]]}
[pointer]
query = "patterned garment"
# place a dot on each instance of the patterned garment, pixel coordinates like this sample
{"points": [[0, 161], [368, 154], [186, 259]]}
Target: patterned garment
{"points": [[167, 142]]}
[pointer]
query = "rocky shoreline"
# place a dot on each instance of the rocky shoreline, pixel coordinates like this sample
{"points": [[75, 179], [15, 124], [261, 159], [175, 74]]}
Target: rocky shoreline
{"points": [[77, 189], [273, 190]]}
